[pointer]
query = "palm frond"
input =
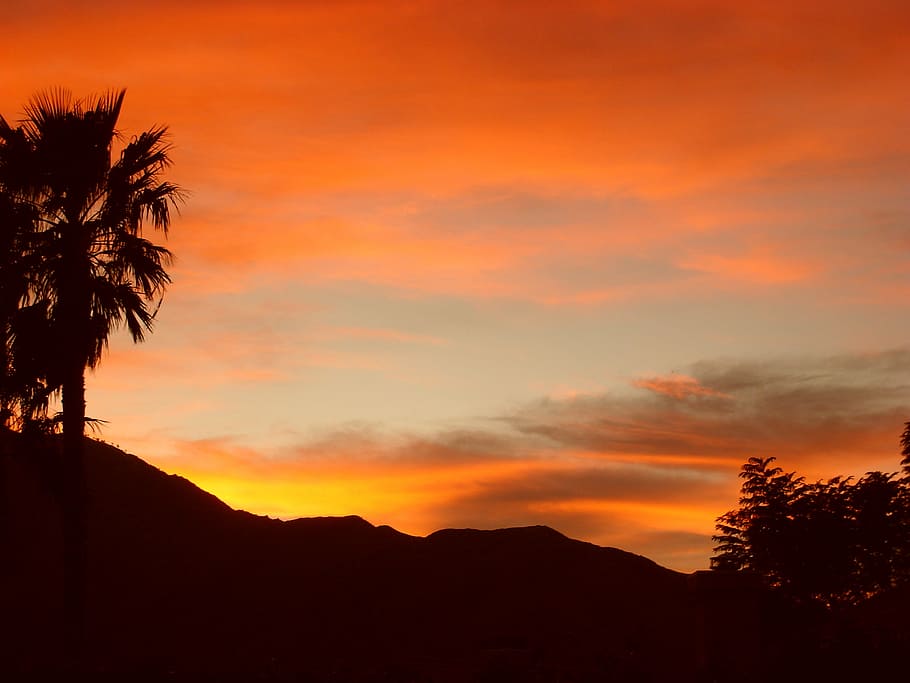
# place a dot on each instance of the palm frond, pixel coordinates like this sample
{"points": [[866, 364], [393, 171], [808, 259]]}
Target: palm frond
{"points": [[45, 107], [139, 261], [104, 110]]}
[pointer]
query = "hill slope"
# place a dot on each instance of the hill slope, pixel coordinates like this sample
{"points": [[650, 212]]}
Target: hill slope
{"points": [[179, 582]]}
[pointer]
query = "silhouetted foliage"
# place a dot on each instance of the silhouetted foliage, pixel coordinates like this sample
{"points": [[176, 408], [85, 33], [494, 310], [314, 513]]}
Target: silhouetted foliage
{"points": [[21, 384], [755, 535], [75, 268], [73, 254], [831, 542]]}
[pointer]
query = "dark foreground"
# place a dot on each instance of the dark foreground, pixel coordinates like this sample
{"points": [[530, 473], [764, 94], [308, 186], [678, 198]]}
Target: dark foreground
{"points": [[182, 588]]}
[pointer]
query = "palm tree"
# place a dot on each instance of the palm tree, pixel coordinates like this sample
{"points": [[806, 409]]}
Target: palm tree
{"points": [[87, 261]]}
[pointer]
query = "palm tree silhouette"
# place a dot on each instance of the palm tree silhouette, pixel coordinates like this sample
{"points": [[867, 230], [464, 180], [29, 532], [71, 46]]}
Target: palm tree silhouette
{"points": [[87, 261]]}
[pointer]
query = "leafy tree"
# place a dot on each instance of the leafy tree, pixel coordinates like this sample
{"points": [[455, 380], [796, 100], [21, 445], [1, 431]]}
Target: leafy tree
{"points": [[879, 512], [818, 562], [754, 536], [830, 542], [73, 227]]}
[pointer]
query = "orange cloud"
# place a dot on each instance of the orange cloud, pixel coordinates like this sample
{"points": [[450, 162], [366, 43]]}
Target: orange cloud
{"points": [[379, 334], [757, 268], [678, 386], [387, 94], [283, 140], [840, 412]]}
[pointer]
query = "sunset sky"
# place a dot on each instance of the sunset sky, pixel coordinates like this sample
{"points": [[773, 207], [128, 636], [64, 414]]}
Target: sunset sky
{"points": [[505, 263]]}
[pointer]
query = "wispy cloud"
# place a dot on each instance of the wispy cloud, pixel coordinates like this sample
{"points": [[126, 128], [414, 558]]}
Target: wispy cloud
{"points": [[630, 469], [677, 386], [484, 167], [836, 410]]}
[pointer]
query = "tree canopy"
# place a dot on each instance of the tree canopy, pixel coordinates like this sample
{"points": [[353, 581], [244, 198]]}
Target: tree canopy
{"points": [[75, 264], [832, 541]]}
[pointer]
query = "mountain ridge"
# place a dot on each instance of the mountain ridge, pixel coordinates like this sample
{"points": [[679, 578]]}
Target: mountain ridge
{"points": [[180, 581], [351, 522]]}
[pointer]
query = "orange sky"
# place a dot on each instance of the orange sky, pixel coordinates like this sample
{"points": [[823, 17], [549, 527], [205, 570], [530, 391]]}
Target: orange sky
{"points": [[452, 264]]}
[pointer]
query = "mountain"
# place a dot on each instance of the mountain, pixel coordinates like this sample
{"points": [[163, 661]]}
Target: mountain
{"points": [[182, 587]]}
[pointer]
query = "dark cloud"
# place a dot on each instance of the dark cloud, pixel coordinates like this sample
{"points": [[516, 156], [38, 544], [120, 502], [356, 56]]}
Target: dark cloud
{"points": [[361, 443], [616, 482], [840, 404]]}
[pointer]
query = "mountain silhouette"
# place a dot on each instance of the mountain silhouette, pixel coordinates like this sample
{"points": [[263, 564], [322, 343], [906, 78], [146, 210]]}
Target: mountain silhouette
{"points": [[182, 587]]}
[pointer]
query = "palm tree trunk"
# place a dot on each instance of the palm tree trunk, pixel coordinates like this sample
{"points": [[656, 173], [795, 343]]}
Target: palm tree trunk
{"points": [[6, 393], [73, 489], [75, 314]]}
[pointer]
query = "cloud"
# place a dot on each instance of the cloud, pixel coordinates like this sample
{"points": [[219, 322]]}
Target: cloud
{"points": [[758, 268], [536, 167], [678, 387], [582, 250], [647, 470], [379, 334], [835, 411]]}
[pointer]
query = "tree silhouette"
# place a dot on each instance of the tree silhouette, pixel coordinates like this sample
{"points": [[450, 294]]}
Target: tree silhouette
{"points": [[82, 263], [754, 535], [829, 542]]}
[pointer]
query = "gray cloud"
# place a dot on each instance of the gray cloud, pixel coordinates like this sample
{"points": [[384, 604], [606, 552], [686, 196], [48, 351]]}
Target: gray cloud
{"points": [[841, 403], [618, 482]]}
